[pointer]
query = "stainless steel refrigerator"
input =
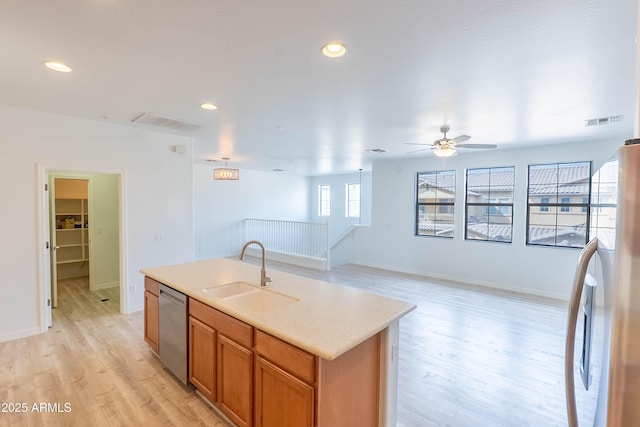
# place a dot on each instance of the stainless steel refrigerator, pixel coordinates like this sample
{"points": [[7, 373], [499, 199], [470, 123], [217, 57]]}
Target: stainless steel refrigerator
{"points": [[602, 353]]}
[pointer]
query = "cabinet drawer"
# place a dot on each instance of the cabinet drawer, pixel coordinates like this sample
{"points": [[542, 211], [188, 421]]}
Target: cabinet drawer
{"points": [[152, 286], [288, 357], [235, 329]]}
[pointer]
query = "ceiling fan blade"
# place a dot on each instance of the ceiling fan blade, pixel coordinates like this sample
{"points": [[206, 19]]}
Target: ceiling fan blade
{"points": [[461, 138], [476, 146], [417, 151], [415, 143]]}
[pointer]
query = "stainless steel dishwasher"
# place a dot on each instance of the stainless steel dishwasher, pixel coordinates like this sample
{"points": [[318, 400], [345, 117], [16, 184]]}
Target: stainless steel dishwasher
{"points": [[173, 331]]}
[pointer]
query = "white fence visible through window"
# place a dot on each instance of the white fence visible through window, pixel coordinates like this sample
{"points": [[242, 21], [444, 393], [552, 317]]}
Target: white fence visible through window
{"points": [[303, 239]]}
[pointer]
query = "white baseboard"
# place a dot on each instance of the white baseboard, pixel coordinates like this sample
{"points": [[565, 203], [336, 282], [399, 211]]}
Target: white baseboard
{"points": [[20, 334], [101, 286], [454, 279], [135, 308]]}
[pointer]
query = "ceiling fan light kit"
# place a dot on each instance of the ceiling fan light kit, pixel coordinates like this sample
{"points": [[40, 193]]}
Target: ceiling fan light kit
{"points": [[444, 152]]}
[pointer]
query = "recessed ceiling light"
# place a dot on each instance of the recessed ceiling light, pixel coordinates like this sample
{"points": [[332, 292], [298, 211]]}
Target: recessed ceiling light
{"points": [[334, 50], [57, 66], [208, 106]]}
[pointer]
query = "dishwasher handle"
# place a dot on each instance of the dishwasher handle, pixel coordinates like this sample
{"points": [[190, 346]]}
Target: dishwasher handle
{"points": [[172, 295]]}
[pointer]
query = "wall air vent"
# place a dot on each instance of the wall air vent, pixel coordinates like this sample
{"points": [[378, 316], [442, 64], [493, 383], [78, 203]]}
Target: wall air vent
{"points": [[377, 150], [149, 119], [603, 121]]}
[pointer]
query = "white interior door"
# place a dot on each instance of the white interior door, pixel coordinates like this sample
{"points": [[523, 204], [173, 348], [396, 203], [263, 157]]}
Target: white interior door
{"points": [[54, 245]]}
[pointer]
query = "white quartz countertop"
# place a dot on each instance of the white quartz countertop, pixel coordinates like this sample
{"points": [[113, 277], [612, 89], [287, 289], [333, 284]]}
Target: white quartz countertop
{"points": [[328, 320]]}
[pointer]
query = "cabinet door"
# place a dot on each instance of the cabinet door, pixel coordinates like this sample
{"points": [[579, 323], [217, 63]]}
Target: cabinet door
{"points": [[202, 358], [281, 400], [151, 320], [235, 381]]}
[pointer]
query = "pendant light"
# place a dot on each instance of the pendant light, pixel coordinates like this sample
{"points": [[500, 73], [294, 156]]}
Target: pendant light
{"points": [[226, 173]]}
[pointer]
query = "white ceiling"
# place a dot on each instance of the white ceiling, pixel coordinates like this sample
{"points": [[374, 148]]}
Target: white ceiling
{"points": [[509, 72]]}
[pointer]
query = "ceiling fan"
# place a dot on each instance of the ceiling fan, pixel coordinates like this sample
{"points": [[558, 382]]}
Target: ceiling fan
{"points": [[445, 147]]}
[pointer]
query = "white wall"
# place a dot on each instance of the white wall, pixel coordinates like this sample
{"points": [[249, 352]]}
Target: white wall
{"points": [[158, 198], [221, 206], [104, 226], [338, 222], [391, 244]]}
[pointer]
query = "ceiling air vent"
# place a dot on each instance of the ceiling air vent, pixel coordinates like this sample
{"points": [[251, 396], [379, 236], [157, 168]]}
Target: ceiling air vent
{"points": [[603, 121], [164, 122], [377, 150]]}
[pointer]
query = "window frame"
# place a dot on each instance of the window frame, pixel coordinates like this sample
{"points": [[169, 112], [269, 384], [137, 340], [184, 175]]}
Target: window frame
{"points": [[584, 207], [349, 199], [322, 202], [493, 204], [449, 206]]}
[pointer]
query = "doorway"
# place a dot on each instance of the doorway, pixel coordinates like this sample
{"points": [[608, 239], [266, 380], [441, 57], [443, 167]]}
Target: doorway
{"points": [[69, 231], [81, 217]]}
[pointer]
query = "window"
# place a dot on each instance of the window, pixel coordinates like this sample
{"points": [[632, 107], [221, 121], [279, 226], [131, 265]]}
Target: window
{"points": [[435, 199], [353, 201], [554, 191], [544, 201], [585, 202], [324, 200], [489, 204]]}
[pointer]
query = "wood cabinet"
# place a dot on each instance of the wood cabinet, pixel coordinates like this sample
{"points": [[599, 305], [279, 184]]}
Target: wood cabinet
{"points": [[202, 358], [235, 382], [151, 313], [280, 398], [284, 383], [295, 388], [223, 372], [257, 379]]}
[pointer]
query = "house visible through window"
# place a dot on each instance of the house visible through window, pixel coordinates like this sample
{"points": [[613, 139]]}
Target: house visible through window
{"points": [[435, 201], [324, 200], [489, 204], [558, 202], [353, 201]]}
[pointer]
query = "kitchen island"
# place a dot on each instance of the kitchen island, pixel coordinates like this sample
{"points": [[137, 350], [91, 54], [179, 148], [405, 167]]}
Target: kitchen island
{"points": [[256, 352]]}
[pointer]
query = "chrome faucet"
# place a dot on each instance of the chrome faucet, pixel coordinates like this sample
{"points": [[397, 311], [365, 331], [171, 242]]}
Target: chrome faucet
{"points": [[263, 273]]}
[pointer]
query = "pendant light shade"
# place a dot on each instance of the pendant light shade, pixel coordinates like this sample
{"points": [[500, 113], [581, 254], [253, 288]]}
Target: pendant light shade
{"points": [[226, 173]]}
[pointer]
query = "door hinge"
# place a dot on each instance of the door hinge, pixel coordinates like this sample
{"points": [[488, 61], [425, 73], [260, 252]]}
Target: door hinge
{"points": [[46, 187], [48, 303], [47, 245]]}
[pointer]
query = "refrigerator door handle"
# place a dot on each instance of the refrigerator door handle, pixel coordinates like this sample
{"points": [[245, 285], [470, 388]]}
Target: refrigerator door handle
{"points": [[574, 307]]}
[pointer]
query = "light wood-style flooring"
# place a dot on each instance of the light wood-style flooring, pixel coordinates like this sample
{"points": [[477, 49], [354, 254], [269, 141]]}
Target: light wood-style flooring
{"points": [[468, 357], [96, 360]]}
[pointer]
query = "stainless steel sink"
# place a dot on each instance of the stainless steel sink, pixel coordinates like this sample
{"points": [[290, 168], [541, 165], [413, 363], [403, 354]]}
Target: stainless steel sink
{"points": [[231, 289]]}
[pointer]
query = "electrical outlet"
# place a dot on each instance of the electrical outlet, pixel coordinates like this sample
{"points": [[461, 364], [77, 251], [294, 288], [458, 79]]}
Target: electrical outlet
{"points": [[132, 289]]}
